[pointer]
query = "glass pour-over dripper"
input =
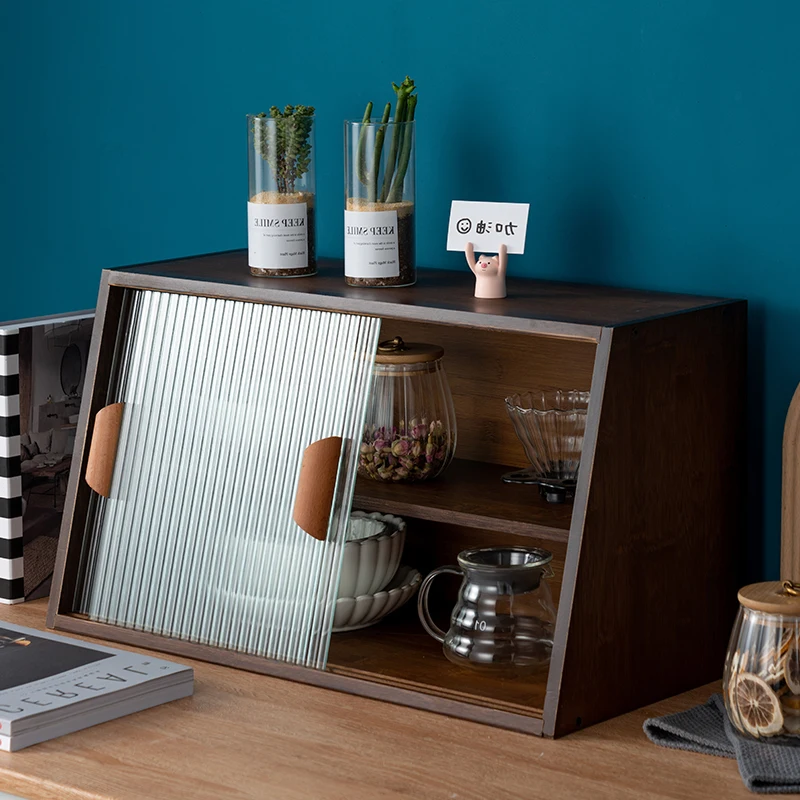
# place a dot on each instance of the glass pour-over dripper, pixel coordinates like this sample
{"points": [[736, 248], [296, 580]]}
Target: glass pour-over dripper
{"points": [[550, 424]]}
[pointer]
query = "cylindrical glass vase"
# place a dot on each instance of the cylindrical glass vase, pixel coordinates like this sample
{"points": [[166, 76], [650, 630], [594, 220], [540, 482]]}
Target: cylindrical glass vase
{"points": [[281, 232], [380, 191]]}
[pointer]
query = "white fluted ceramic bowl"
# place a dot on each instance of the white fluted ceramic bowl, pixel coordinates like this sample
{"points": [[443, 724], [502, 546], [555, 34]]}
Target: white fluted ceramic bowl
{"points": [[353, 613], [370, 560]]}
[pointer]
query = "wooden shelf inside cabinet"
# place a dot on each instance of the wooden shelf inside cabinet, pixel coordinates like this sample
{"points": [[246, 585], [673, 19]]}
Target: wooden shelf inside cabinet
{"points": [[471, 494], [399, 653]]}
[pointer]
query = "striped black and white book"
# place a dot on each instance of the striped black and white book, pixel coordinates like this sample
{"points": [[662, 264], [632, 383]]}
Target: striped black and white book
{"points": [[52, 685], [11, 575], [42, 370]]}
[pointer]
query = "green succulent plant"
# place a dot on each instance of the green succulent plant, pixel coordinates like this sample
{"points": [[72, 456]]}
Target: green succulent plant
{"points": [[285, 146], [399, 155]]}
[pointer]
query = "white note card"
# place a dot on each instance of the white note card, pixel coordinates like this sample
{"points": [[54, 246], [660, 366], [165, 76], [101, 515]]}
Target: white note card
{"points": [[487, 226]]}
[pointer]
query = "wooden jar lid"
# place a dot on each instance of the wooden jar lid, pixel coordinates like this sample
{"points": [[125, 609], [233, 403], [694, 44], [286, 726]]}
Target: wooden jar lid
{"points": [[396, 351], [772, 597]]}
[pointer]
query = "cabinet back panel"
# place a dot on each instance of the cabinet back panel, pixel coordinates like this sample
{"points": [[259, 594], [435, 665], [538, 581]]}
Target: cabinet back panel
{"points": [[485, 366]]}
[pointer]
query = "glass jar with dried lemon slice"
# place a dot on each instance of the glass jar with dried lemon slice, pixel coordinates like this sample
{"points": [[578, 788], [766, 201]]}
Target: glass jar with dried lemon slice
{"points": [[761, 685]]}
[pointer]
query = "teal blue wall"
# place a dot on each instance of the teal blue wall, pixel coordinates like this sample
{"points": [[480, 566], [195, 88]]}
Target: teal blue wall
{"points": [[656, 142]]}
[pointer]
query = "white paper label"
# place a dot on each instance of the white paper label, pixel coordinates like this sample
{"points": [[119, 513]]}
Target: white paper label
{"points": [[277, 235], [370, 244], [487, 226]]}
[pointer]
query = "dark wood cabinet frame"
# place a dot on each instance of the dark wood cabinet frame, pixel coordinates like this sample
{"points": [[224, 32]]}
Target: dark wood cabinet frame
{"points": [[645, 554]]}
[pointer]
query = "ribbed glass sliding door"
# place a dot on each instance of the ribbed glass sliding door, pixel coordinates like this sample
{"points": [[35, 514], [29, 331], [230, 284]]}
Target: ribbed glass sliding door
{"points": [[196, 539]]}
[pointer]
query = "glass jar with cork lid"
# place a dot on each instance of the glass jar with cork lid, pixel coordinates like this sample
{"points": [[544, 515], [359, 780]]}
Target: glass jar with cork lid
{"points": [[410, 429], [761, 683]]}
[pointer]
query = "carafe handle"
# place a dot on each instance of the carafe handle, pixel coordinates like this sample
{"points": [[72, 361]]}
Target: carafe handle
{"points": [[422, 602]]}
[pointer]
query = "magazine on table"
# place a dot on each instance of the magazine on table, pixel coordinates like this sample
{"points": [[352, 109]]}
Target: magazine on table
{"points": [[51, 685]]}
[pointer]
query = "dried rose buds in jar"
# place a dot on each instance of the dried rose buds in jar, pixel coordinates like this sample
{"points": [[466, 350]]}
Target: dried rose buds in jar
{"points": [[410, 432]]}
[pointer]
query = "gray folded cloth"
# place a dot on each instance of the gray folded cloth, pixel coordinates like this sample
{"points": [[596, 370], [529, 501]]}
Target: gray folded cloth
{"points": [[766, 767]]}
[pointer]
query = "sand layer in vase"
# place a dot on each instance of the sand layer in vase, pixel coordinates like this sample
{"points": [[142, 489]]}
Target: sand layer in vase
{"points": [[279, 198], [405, 243]]}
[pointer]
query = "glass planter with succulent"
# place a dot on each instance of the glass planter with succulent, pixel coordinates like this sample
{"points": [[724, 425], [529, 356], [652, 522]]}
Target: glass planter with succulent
{"points": [[281, 192], [380, 194]]}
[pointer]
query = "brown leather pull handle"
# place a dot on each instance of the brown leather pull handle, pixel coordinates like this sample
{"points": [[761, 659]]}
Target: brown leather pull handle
{"points": [[316, 485], [103, 450], [790, 505]]}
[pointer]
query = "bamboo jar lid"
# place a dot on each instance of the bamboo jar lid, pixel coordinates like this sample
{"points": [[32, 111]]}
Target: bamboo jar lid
{"points": [[396, 351], [772, 597]]}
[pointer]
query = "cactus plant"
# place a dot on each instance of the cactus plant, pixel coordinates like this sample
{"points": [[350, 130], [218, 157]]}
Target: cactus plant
{"points": [[399, 147], [396, 191], [281, 173], [285, 147], [372, 185]]}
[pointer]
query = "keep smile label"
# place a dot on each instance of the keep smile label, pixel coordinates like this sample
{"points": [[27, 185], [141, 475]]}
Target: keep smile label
{"points": [[370, 244], [277, 235]]}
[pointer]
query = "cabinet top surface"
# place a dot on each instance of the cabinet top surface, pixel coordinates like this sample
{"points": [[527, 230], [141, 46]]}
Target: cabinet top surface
{"points": [[439, 295]]}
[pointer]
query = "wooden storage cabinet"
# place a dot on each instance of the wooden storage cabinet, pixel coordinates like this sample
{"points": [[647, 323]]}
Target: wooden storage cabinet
{"points": [[643, 558]]}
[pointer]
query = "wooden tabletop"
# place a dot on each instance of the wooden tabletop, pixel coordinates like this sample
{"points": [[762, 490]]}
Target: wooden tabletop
{"points": [[249, 736]]}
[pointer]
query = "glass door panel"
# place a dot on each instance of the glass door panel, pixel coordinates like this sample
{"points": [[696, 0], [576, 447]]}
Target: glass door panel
{"points": [[197, 539]]}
